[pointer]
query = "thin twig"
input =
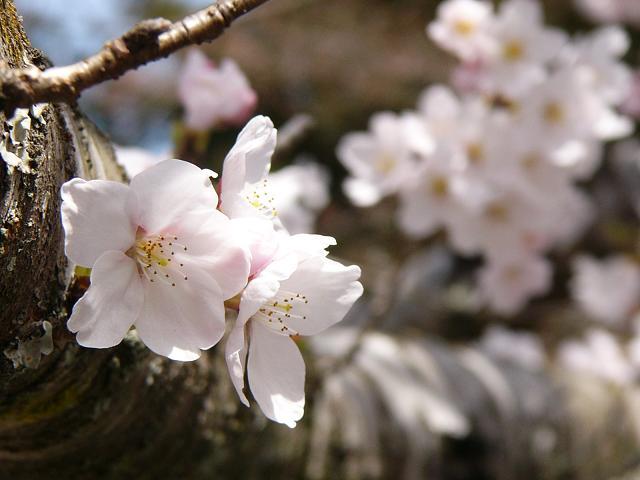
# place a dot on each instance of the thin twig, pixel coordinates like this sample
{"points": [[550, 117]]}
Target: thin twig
{"points": [[149, 40]]}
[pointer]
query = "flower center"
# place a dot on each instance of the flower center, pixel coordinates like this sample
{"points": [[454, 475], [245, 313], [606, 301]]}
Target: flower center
{"points": [[531, 161], [497, 211], [259, 197], [513, 50], [475, 153], [439, 187], [553, 113], [512, 273], [156, 258], [275, 313], [385, 163], [464, 27]]}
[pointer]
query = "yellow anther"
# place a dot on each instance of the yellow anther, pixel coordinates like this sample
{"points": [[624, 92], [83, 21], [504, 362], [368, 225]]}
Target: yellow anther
{"points": [[513, 50], [385, 163], [439, 187], [475, 152], [464, 27], [553, 113]]}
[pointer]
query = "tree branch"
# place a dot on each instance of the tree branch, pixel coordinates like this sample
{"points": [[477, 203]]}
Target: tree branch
{"points": [[147, 41]]}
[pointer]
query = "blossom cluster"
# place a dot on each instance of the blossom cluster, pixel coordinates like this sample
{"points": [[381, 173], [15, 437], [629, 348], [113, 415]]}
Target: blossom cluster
{"points": [[495, 159], [171, 250]]}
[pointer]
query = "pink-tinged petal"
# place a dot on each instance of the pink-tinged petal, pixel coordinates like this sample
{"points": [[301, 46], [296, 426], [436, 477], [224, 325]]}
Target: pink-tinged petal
{"points": [[169, 191], [102, 317], [95, 219], [248, 162], [276, 375], [236, 355], [215, 247], [329, 289], [265, 286], [179, 321], [198, 80], [214, 95], [260, 237]]}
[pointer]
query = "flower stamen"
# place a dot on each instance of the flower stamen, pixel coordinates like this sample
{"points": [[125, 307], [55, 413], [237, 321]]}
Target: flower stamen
{"points": [[153, 256], [284, 306], [260, 197]]}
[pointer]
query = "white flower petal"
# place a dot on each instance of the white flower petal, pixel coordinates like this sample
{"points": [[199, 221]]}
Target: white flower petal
{"points": [[169, 191], [179, 321], [306, 245], [95, 219], [248, 161], [261, 239], [330, 289], [276, 375], [102, 317], [216, 247], [236, 355]]}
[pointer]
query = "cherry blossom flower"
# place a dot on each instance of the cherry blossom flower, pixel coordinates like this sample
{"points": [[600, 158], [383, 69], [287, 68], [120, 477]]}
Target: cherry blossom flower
{"points": [[246, 195], [214, 95], [162, 257], [293, 289], [565, 108], [597, 56], [522, 47], [245, 190], [441, 109], [462, 27], [300, 292], [609, 289], [435, 197], [505, 223], [379, 160], [507, 284]]}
